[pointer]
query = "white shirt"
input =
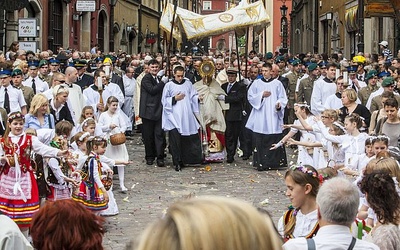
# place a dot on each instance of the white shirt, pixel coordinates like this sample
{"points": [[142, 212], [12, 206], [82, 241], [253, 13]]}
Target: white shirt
{"points": [[75, 102], [304, 224], [92, 97], [321, 91], [330, 237], [16, 98], [129, 86], [41, 86]]}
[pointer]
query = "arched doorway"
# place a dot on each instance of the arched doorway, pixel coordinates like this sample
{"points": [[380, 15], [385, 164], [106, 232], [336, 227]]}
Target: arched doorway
{"points": [[101, 29], [55, 22]]}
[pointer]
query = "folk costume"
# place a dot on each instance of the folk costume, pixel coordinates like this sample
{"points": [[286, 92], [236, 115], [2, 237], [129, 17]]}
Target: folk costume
{"points": [[19, 195], [266, 123], [89, 193]]}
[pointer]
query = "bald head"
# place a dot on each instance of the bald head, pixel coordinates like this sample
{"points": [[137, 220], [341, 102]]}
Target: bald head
{"points": [[71, 74], [275, 70]]}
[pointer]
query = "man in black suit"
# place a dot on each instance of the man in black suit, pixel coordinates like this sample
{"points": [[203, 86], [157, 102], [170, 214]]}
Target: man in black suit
{"points": [[236, 92], [150, 111]]}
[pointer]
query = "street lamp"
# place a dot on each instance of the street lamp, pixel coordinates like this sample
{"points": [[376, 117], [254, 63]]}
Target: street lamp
{"points": [[112, 4], [284, 28]]}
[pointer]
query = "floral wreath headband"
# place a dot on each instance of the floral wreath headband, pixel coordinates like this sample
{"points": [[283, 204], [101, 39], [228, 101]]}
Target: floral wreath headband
{"points": [[301, 105], [339, 126], [96, 138], [308, 171], [83, 136], [84, 123], [17, 115]]}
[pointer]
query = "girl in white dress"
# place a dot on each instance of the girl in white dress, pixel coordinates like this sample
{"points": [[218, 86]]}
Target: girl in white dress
{"points": [[352, 143], [80, 139], [301, 220], [305, 156], [111, 122]]}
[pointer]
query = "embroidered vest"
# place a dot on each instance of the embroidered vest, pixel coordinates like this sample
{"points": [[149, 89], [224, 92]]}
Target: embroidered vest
{"points": [[286, 218], [23, 155]]}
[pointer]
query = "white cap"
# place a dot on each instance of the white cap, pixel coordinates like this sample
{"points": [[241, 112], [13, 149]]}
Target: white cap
{"points": [[384, 43], [147, 58]]}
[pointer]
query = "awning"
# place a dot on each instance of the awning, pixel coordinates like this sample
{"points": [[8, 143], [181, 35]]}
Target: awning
{"points": [[351, 19]]}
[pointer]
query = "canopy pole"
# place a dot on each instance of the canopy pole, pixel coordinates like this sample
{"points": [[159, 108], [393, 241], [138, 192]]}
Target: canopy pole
{"points": [[171, 37], [237, 55], [246, 50]]}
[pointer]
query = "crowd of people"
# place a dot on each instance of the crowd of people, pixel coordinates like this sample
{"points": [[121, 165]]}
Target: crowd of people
{"points": [[65, 116]]}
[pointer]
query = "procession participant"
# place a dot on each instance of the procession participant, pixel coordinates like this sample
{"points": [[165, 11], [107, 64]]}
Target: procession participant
{"points": [[107, 89], [268, 99], [322, 89], [245, 137], [83, 80], [17, 77], [58, 105], [11, 99], [360, 72], [150, 111], [75, 96], [44, 71], [235, 94], [136, 104], [128, 106], [354, 83], [211, 116], [33, 81], [381, 77], [388, 84], [335, 101], [19, 187], [180, 104], [54, 66], [380, 113], [371, 80], [306, 85], [293, 76]]}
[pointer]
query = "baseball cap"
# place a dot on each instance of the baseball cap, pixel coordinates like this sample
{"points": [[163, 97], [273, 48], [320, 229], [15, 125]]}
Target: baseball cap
{"points": [[384, 43]]}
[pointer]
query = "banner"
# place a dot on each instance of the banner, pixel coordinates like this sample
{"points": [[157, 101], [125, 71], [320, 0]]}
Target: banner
{"points": [[198, 26]]}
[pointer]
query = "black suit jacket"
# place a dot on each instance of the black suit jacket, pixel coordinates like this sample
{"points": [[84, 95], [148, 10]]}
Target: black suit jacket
{"points": [[65, 114], [150, 98], [115, 78], [235, 98], [284, 81], [85, 81]]}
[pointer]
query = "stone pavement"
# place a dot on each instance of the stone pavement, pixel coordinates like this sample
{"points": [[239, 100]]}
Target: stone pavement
{"points": [[153, 189]]}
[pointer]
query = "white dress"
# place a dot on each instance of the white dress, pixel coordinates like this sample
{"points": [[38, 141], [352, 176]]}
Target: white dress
{"points": [[118, 152], [304, 157]]}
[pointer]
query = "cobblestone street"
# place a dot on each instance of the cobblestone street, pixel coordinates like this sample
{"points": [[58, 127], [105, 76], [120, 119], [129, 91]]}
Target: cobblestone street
{"points": [[153, 189]]}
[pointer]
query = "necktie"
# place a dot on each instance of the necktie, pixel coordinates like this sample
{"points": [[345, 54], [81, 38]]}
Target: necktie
{"points": [[6, 101], [34, 86], [229, 87]]}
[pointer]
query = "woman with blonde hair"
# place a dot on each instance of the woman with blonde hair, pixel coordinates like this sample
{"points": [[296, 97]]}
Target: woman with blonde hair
{"points": [[39, 114], [350, 106], [209, 223]]}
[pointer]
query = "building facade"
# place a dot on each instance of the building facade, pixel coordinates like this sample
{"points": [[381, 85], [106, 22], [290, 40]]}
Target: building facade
{"points": [[127, 25], [348, 26]]}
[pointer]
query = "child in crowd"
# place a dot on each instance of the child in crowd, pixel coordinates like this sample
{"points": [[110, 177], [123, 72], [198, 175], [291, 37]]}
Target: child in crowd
{"points": [[305, 154], [352, 143], [61, 172], [17, 180], [112, 123], [91, 192], [301, 219], [87, 115]]}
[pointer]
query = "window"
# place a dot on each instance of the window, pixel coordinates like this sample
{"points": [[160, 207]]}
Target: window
{"points": [[206, 5], [209, 42]]}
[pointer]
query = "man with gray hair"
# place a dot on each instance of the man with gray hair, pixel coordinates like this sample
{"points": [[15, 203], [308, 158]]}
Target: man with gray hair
{"points": [[338, 201]]}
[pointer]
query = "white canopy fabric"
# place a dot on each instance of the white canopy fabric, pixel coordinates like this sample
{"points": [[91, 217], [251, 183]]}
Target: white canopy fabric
{"points": [[198, 26]]}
